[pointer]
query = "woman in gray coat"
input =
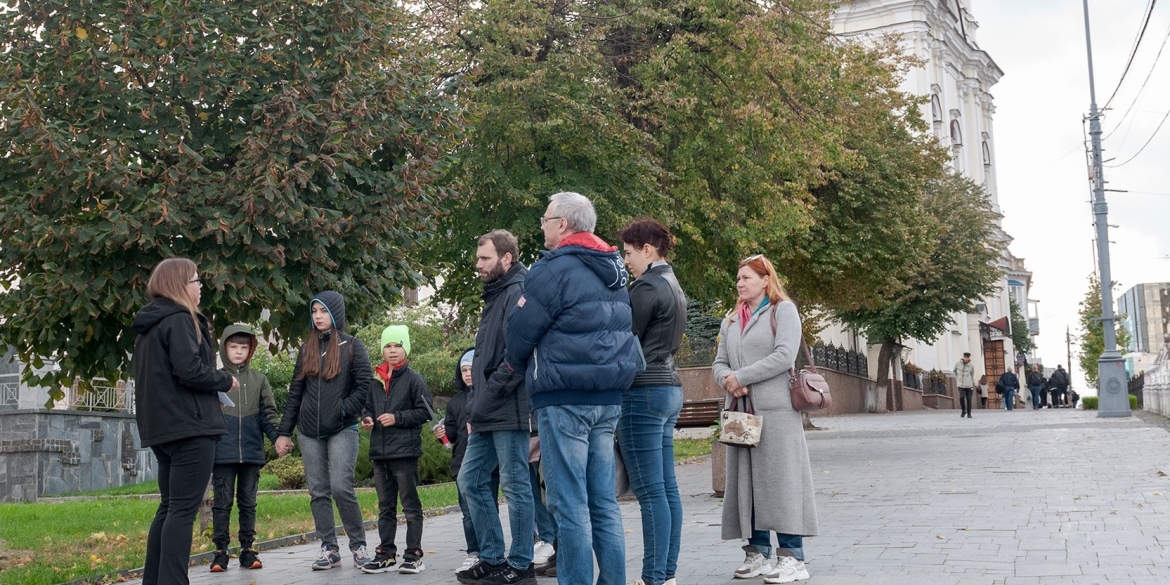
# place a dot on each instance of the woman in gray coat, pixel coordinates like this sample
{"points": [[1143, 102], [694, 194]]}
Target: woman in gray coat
{"points": [[769, 487]]}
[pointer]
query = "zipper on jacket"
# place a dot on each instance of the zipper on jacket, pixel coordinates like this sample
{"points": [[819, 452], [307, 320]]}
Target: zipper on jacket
{"points": [[240, 420], [535, 364]]}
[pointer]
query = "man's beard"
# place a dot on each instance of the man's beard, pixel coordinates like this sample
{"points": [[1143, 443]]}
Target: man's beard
{"points": [[494, 274]]}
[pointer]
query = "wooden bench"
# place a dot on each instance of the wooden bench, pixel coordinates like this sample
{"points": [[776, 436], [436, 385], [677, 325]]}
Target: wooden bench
{"points": [[699, 413]]}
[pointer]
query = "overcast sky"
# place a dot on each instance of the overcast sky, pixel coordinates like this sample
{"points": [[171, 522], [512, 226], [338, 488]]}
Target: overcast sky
{"points": [[1042, 172]]}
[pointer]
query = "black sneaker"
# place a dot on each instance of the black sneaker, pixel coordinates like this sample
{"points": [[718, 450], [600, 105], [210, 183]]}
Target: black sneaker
{"points": [[477, 573], [220, 562], [250, 560], [383, 561], [510, 575], [412, 563]]}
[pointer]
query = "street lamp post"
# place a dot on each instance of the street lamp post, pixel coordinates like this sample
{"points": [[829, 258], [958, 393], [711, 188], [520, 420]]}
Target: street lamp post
{"points": [[1113, 397]]}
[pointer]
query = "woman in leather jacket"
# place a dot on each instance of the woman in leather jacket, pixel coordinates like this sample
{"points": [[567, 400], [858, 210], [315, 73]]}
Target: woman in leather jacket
{"points": [[651, 406]]}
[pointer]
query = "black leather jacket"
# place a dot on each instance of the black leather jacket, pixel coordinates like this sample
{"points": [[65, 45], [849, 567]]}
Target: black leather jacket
{"points": [[321, 408], [660, 317]]}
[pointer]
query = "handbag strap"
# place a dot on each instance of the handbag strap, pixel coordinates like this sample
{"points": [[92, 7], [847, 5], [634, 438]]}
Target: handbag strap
{"points": [[803, 345], [735, 405]]}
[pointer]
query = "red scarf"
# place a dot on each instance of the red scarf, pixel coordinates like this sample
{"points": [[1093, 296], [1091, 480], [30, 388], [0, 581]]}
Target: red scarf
{"points": [[385, 374]]}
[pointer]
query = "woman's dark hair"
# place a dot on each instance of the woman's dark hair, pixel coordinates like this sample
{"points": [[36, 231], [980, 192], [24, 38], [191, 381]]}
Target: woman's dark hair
{"points": [[645, 230]]}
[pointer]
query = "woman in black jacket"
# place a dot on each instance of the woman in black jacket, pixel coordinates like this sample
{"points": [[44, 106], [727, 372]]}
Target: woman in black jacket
{"points": [[176, 389], [650, 408], [328, 392]]}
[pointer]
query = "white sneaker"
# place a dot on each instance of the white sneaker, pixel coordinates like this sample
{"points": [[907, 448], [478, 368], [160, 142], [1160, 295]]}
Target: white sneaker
{"points": [[361, 557], [671, 581], [541, 553], [471, 561], [787, 570], [754, 564]]}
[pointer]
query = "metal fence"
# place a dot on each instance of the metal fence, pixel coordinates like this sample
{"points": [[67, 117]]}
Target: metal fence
{"points": [[10, 390], [840, 359]]}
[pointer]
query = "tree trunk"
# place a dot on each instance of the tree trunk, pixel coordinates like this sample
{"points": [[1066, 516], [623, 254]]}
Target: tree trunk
{"points": [[885, 356], [808, 424], [205, 508]]}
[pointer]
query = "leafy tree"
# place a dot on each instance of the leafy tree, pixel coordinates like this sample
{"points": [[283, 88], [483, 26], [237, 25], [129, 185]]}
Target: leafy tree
{"points": [[959, 270], [745, 127], [286, 146], [1092, 337], [1020, 338]]}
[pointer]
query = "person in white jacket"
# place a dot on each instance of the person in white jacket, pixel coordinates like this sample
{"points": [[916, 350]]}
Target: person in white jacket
{"points": [[965, 380]]}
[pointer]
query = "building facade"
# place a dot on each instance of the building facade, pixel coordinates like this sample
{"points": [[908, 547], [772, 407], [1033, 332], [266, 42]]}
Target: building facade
{"points": [[956, 75], [1144, 311]]}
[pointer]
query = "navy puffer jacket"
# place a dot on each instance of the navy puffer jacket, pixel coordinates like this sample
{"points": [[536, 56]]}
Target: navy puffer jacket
{"points": [[571, 330]]}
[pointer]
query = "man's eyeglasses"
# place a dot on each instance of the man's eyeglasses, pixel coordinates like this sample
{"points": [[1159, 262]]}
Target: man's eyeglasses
{"points": [[544, 220]]}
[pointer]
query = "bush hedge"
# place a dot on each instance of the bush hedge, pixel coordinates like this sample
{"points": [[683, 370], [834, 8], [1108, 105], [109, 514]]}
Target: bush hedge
{"points": [[1091, 402]]}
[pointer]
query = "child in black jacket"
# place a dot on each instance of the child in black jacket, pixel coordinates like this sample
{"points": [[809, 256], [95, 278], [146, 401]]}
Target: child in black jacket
{"points": [[398, 405]]}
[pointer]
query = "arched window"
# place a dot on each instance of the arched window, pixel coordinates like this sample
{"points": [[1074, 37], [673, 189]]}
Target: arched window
{"points": [[956, 134], [936, 115], [986, 161]]}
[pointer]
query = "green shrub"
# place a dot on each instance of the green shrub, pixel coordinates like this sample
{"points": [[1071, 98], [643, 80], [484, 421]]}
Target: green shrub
{"points": [[289, 471], [279, 371], [1089, 403], [1132, 402], [268, 482]]}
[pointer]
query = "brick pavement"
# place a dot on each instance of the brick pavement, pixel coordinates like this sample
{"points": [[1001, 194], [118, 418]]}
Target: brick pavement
{"points": [[1019, 498]]}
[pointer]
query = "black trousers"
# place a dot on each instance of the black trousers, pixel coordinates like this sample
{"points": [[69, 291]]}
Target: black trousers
{"points": [[241, 481], [184, 466], [965, 400], [394, 479]]}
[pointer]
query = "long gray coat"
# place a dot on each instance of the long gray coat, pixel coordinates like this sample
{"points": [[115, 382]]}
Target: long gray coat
{"points": [[775, 477]]}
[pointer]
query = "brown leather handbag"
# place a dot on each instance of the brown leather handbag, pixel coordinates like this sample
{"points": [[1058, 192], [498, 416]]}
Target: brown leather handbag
{"points": [[810, 391]]}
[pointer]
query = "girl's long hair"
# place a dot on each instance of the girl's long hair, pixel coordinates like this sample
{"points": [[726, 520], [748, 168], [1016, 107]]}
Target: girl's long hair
{"points": [[763, 267], [169, 279], [311, 356]]}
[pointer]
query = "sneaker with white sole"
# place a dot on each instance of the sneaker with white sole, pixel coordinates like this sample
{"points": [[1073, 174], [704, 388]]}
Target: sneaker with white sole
{"points": [[541, 552], [786, 570], [383, 561], [671, 581], [412, 563], [360, 557], [328, 559], [471, 560], [754, 565]]}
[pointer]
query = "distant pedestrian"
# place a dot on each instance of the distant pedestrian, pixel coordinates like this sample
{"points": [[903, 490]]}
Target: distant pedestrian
{"points": [[330, 384], [1035, 385], [965, 380], [1059, 385], [240, 454], [769, 487], [398, 405], [571, 334], [650, 408], [178, 410], [983, 391], [1009, 384]]}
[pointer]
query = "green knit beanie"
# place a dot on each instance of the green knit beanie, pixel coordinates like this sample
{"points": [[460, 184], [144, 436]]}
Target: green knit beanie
{"points": [[396, 334]]}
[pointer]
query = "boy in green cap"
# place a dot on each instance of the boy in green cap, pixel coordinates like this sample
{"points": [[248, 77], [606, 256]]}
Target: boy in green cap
{"points": [[398, 405]]}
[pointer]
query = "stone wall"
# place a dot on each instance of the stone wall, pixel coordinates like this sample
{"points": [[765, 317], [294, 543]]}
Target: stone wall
{"points": [[49, 452], [851, 394]]}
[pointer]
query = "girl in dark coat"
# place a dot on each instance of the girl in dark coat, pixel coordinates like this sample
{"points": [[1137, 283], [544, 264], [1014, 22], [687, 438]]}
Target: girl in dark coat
{"points": [[176, 388]]}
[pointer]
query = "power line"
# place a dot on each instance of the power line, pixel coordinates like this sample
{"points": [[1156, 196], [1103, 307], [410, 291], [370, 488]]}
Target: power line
{"points": [[1135, 155], [1133, 52], [1142, 88]]}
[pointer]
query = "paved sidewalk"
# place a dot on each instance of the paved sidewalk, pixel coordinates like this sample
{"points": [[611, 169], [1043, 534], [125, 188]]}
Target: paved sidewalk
{"points": [[1012, 498]]}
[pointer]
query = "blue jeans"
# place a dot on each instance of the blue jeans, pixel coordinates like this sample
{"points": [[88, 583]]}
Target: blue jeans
{"points": [[645, 433], [469, 526], [576, 451], [793, 543], [546, 525], [329, 465], [485, 451], [1009, 398], [1035, 390]]}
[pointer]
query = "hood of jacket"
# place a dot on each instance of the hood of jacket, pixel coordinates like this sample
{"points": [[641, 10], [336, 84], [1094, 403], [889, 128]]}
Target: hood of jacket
{"points": [[603, 259], [228, 332], [334, 303], [153, 312]]}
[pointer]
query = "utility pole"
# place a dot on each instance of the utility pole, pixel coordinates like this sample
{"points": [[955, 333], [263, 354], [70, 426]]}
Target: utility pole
{"points": [[1113, 397]]}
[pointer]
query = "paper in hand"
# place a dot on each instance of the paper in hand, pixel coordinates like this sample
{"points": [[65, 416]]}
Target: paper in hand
{"points": [[224, 400]]}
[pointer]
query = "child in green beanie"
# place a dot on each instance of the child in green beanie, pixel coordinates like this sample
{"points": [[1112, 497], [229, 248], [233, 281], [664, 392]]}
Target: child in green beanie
{"points": [[398, 405]]}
